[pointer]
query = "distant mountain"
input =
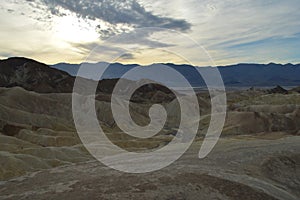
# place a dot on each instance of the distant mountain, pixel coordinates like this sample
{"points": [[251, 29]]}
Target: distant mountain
{"points": [[115, 70], [240, 75], [261, 75], [39, 77]]}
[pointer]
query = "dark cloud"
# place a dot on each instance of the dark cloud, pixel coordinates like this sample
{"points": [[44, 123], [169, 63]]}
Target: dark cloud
{"points": [[127, 56], [140, 36], [118, 17], [116, 12], [108, 32]]}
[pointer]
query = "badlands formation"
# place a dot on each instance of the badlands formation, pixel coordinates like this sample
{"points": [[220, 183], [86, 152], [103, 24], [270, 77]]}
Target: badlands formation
{"points": [[257, 156], [42, 156]]}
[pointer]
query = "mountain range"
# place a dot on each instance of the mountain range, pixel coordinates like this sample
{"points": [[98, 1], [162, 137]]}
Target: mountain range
{"points": [[239, 75], [39, 77]]}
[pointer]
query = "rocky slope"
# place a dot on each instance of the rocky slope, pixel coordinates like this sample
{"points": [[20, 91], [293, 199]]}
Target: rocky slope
{"points": [[39, 129], [257, 157], [236, 169], [34, 76]]}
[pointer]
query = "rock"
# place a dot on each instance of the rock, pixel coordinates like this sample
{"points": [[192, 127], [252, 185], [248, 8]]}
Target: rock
{"points": [[13, 129], [278, 90]]}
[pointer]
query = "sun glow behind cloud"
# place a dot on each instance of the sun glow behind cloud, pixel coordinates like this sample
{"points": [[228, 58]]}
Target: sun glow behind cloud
{"points": [[232, 31], [72, 29]]}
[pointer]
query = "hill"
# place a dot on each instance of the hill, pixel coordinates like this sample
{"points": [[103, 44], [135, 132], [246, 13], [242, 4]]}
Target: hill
{"points": [[38, 77]]}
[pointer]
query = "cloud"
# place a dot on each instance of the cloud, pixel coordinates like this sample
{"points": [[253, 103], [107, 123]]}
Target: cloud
{"points": [[231, 30], [242, 29], [141, 37], [114, 17], [116, 12], [99, 52], [127, 56]]}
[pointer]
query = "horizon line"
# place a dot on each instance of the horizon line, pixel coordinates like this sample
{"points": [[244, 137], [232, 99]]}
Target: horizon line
{"points": [[126, 64]]}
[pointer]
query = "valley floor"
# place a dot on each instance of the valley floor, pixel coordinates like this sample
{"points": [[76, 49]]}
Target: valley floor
{"points": [[238, 168]]}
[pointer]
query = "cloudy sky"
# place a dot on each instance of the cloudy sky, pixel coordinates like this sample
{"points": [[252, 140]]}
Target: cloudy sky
{"points": [[230, 31]]}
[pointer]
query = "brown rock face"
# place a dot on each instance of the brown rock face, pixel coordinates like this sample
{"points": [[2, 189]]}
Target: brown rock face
{"points": [[33, 76], [11, 130]]}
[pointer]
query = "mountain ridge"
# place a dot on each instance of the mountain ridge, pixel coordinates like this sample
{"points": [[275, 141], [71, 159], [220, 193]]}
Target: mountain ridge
{"points": [[39, 77], [238, 75]]}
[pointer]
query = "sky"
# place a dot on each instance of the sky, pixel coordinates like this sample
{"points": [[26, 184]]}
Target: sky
{"points": [[199, 32]]}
